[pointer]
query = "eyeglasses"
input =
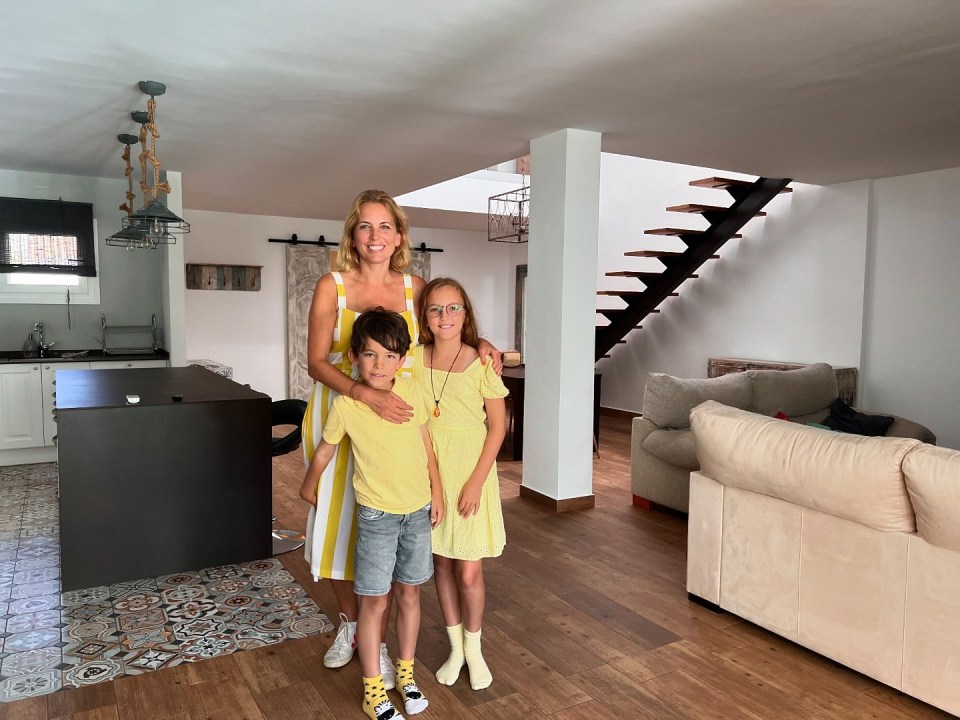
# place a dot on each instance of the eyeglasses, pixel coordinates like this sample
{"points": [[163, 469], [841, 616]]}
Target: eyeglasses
{"points": [[453, 310]]}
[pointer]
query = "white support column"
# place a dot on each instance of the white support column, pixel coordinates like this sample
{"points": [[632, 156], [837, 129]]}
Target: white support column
{"points": [[175, 283], [561, 307]]}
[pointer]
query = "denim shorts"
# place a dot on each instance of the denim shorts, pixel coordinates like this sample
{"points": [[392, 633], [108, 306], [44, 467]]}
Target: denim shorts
{"points": [[391, 548]]}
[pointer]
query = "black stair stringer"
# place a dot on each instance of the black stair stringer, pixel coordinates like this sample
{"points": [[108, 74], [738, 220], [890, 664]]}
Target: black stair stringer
{"points": [[699, 249]]}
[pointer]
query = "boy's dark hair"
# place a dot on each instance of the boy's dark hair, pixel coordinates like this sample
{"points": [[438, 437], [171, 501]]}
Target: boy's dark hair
{"points": [[385, 327]]}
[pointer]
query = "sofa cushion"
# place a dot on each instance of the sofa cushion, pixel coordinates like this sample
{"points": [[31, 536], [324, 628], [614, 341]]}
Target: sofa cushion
{"points": [[850, 476], [932, 475], [674, 447], [795, 392], [668, 400]]}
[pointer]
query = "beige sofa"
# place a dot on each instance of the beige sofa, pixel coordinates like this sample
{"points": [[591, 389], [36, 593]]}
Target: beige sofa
{"points": [[847, 545], [661, 446]]}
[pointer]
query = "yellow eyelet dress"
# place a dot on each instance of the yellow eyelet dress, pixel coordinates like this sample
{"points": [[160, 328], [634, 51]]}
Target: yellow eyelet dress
{"points": [[458, 434], [332, 526]]}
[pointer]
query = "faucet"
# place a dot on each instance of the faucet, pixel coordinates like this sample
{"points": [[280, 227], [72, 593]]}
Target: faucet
{"points": [[38, 328]]}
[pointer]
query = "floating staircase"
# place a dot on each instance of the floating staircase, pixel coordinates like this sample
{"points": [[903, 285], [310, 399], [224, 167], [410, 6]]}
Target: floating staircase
{"points": [[749, 198]]}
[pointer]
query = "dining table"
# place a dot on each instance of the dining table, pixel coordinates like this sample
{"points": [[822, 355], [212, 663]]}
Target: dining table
{"points": [[514, 379]]}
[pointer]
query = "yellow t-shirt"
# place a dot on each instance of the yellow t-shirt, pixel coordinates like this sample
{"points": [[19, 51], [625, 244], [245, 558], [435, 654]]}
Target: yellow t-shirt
{"points": [[390, 462]]}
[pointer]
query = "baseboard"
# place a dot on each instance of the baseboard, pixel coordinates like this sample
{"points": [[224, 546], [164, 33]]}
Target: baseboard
{"points": [[28, 456], [564, 505]]}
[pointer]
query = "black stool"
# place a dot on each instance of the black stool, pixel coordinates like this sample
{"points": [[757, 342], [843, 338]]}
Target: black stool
{"points": [[287, 412]]}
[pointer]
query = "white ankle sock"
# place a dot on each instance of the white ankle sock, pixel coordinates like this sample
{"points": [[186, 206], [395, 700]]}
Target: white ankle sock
{"points": [[450, 670], [480, 676]]}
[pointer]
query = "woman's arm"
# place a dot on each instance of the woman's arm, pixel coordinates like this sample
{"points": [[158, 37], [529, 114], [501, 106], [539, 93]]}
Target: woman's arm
{"points": [[322, 321], [469, 502]]}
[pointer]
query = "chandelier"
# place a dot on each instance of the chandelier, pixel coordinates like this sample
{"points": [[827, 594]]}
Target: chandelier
{"points": [[154, 224], [508, 216]]}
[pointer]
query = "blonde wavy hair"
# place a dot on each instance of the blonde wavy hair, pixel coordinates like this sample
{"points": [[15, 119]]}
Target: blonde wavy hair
{"points": [[469, 334], [347, 257]]}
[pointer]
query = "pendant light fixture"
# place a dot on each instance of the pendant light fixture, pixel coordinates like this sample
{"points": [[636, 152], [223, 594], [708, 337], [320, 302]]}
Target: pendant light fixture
{"points": [[508, 214], [154, 224], [129, 237]]}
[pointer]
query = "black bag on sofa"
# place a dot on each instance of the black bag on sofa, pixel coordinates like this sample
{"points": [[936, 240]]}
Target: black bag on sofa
{"points": [[844, 418]]}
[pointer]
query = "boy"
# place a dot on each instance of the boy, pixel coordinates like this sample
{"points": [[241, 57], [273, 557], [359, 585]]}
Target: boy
{"points": [[399, 500]]}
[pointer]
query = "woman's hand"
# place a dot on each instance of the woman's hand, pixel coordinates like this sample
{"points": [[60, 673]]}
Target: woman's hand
{"points": [[469, 502], [384, 403], [489, 353]]}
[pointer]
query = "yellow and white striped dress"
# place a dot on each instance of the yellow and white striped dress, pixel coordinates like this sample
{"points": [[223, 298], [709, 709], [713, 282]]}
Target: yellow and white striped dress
{"points": [[332, 526]]}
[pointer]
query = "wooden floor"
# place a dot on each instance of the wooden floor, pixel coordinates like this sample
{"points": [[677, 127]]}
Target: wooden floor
{"points": [[587, 619]]}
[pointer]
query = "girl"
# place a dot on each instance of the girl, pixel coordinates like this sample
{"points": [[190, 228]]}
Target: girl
{"points": [[466, 424]]}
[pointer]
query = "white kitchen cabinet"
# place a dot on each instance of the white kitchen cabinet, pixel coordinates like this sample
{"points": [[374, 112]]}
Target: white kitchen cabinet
{"points": [[48, 390], [21, 411], [27, 405], [121, 364]]}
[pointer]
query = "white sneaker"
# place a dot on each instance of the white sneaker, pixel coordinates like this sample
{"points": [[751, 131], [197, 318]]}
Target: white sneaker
{"points": [[387, 669], [341, 652]]}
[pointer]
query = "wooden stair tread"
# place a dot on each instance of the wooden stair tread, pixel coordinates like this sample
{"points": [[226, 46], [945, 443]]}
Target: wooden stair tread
{"points": [[659, 254], [638, 274], [722, 183], [680, 231], [699, 208], [635, 327], [632, 273]]}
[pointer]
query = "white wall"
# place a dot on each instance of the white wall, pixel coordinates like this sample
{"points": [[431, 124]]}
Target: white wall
{"points": [[247, 330], [791, 289], [911, 342], [860, 273]]}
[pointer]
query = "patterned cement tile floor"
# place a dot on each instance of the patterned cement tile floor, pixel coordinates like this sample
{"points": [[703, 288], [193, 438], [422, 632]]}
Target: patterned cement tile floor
{"points": [[50, 640]]}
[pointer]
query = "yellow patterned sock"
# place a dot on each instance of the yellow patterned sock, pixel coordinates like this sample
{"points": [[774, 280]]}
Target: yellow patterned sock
{"points": [[376, 704], [413, 700]]}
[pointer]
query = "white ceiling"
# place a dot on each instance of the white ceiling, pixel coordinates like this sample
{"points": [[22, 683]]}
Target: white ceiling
{"points": [[292, 107]]}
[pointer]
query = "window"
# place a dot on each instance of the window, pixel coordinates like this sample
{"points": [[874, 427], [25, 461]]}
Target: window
{"points": [[48, 252]]}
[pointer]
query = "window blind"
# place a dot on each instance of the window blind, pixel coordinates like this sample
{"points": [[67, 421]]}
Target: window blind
{"points": [[46, 236]]}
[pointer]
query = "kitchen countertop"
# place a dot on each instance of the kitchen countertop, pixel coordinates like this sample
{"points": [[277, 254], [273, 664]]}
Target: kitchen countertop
{"points": [[86, 389], [16, 356]]}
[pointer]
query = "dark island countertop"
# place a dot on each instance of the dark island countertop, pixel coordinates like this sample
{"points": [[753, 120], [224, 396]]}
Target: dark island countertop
{"points": [[84, 389], [56, 355]]}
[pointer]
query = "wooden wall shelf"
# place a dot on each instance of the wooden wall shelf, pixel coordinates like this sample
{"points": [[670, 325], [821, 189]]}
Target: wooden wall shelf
{"points": [[223, 277]]}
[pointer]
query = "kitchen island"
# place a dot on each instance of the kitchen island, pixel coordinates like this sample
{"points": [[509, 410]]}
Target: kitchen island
{"points": [[162, 470]]}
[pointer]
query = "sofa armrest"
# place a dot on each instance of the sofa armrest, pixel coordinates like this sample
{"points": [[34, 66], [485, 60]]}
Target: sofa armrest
{"points": [[652, 479], [904, 428]]}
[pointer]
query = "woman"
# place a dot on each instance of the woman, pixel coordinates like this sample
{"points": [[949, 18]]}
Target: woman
{"points": [[374, 252]]}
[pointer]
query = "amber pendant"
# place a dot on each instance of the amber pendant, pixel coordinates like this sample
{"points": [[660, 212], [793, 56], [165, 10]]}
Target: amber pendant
{"points": [[436, 410]]}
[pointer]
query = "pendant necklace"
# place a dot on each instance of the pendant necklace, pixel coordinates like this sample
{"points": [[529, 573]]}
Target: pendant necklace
{"points": [[436, 400]]}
